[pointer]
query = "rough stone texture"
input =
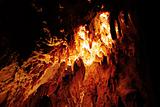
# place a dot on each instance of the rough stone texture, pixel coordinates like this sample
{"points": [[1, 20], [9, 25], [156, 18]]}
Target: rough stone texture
{"points": [[40, 81]]}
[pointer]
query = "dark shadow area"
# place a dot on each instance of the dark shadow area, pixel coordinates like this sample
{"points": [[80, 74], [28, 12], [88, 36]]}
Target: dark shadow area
{"points": [[18, 25], [45, 102], [147, 19]]}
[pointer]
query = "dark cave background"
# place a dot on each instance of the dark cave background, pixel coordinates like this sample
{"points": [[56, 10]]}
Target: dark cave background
{"points": [[20, 27]]}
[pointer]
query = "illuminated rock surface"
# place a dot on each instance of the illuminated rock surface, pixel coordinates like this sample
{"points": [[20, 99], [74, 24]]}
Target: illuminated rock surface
{"points": [[91, 70]]}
